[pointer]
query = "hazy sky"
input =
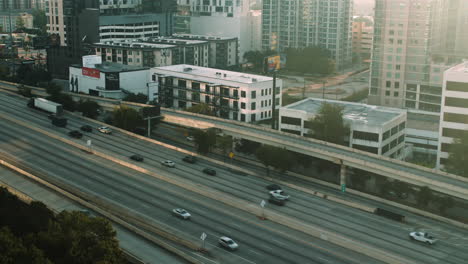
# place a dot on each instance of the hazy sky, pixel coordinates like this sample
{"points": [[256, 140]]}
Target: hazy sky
{"points": [[363, 7]]}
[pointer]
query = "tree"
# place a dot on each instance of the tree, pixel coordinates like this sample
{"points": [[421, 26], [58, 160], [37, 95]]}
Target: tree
{"points": [[457, 161], [126, 118], [225, 144], [328, 124], [136, 98], [246, 146], [257, 58], [278, 158], [13, 250], [204, 140], [313, 59], [40, 20], [202, 108], [288, 99], [89, 108], [24, 91], [424, 197], [19, 23]]}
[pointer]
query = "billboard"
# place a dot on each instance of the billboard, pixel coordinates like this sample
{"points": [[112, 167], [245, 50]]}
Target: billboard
{"points": [[91, 60], [273, 63], [91, 72]]}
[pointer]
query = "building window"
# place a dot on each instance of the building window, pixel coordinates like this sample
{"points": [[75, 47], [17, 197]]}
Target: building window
{"points": [[290, 120], [397, 85], [261, 114], [387, 93], [457, 86], [262, 92], [253, 106], [253, 118], [456, 102], [456, 118], [395, 94], [388, 84], [261, 103], [242, 105], [366, 136], [253, 94], [243, 117], [243, 94]]}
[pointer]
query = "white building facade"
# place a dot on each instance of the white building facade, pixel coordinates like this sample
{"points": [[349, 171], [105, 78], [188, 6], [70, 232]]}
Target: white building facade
{"points": [[230, 95], [110, 80], [379, 130], [454, 113]]}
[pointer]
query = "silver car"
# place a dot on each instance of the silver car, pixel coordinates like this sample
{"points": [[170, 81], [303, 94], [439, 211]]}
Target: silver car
{"points": [[179, 212], [168, 163], [279, 194], [105, 130], [228, 243]]}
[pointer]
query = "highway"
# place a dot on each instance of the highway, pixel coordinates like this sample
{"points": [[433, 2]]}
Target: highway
{"points": [[260, 241]]}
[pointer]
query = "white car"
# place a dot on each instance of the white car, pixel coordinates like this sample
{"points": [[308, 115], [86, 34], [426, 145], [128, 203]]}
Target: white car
{"points": [[423, 237], [190, 138], [279, 194], [105, 130], [228, 243], [179, 212], [168, 163]]}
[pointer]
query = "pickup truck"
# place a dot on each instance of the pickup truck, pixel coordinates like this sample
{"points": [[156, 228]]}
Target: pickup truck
{"points": [[422, 237]]}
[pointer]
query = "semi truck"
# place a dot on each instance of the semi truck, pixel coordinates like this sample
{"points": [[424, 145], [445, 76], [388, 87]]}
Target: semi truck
{"points": [[46, 105], [54, 109]]}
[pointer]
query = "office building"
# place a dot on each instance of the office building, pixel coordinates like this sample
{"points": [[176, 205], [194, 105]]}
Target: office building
{"points": [[454, 113], [379, 130], [304, 23], [164, 51], [6, 5], [9, 20], [230, 95], [222, 18], [135, 26], [363, 30], [73, 25]]}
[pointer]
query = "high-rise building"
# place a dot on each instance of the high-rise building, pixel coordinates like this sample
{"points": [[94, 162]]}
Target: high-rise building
{"points": [[304, 23], [363, 31], [72, 24], [415, 41], [223, 18], [6, 5], [454, 113]]}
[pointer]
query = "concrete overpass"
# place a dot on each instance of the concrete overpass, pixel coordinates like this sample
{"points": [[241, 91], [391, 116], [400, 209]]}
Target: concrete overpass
{"points": [[449, 184]]}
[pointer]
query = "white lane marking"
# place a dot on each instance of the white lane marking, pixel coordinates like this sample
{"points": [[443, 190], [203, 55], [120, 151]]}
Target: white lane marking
{"points": [[279, 242], [256, 252]]}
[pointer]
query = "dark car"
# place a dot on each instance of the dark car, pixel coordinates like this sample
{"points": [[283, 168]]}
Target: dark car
{"points": [[276, 201], [273, 187], [209, 171], [75, 134], [136, 157], [86, 128], [189, 159]]}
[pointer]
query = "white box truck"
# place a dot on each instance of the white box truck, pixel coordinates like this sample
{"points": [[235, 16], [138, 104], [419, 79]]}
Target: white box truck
{"points": [[46, 105]]}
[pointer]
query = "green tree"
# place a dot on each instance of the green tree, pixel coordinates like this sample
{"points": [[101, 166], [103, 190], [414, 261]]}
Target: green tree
{"points": [[457, 161], [13, 250], [204, 140], [40, 20], [328, 124], [278, 158], [313, 59], [225, 144], [126, 118], [24, 91], [19, 23], [288, 99], [202, 108], [257, 58], [136, 98], [246, 146], [89, 108], [424, 197]]}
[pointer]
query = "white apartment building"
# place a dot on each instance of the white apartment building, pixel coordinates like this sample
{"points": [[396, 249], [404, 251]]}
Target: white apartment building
{"points": [[126, 6], [222, 18], [230, 95], [375, 129], [454, 113]]}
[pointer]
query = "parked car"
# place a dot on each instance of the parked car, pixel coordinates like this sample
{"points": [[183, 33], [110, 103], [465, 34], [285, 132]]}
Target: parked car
{"points": [[276, 201], [75, 134], [422, 237], [273, 187], [279, 194], [209, 171], [105, 130], [86, 128], [228, 243], [190, 138], [168, 163], [179, 212], [189, 159], [136, 157]]}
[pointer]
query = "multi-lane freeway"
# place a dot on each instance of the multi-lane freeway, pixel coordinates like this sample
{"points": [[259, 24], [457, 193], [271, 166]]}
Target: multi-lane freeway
{"points": [[260, 241]]}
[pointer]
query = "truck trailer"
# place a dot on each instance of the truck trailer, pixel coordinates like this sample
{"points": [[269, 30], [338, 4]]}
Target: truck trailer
{"points": [[46, 105]]}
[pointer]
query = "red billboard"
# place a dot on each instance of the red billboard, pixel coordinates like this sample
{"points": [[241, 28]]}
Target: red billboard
{"points": [[91, 72]]}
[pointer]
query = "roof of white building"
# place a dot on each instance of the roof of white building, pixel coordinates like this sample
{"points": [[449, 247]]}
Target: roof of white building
{"points": [[370, 115], [461, 68], [211, 75], [202, 37], [136, 44]]}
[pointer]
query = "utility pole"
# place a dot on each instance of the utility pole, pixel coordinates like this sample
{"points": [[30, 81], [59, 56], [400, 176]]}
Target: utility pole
{"points": [[323, 89], [273, 115]]}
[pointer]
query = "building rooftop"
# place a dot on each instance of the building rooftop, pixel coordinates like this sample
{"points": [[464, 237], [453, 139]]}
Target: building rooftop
{"points": [[106, 20], [462, 68], [364, 114], [203, 37], [175, 40], [211, 75], [137, 44], [115, 67]]}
